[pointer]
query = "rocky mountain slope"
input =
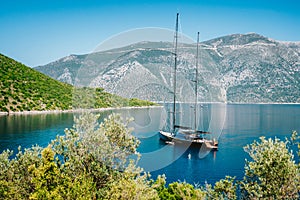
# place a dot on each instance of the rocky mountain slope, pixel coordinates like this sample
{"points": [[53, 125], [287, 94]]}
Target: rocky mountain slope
{"points": [[236, 68]]}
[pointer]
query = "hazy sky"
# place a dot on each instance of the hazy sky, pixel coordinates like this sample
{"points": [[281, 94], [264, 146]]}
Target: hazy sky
{"points": [[36, 32]]}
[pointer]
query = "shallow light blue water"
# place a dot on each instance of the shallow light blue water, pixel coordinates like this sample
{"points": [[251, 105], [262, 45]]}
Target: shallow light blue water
{"points": [[235, 126]]}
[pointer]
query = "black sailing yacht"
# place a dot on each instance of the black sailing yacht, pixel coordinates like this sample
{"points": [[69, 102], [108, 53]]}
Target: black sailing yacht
{"points": [[180, 134]]}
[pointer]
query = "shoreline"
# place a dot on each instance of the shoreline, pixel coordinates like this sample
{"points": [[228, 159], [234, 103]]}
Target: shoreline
{"points": [[33, 112], [232, 103]]}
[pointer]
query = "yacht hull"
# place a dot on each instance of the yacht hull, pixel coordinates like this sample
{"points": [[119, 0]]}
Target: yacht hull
{"points": [[181, 140]]}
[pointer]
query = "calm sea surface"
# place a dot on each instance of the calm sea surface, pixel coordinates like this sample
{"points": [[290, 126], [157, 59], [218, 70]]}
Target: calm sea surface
{"points": [[234, 125]]}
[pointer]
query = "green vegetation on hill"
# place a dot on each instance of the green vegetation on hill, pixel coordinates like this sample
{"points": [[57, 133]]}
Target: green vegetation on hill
{"points": [[25, 89]]}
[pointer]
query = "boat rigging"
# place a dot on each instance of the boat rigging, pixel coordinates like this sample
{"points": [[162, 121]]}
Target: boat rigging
{"points": [[181, 134]]}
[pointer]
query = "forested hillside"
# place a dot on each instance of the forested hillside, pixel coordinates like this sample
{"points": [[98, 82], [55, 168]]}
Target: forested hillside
{"points": [[25, 89]]}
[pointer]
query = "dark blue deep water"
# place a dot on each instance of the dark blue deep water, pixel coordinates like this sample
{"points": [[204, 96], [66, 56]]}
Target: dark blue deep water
{"points": [[234, 125]]}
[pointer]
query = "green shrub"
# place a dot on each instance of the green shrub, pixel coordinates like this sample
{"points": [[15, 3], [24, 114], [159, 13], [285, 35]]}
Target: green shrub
{"points": [[177, 190], [272, 173]]}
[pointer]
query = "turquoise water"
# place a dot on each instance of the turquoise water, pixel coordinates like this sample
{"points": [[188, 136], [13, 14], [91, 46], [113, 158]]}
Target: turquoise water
{"points": [[234, 125]]}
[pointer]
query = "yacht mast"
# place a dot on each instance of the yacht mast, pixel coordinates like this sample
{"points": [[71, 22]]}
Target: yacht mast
{"points": [[196, 85], [174, 78]]}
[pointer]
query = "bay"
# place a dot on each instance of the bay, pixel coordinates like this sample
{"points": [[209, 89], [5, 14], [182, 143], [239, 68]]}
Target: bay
{"points": [[234, 125]]}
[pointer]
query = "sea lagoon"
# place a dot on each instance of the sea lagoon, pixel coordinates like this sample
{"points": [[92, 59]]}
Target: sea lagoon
{"points": [[233, 125]]}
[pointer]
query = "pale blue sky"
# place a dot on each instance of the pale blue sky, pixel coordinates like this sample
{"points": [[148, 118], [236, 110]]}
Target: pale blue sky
{"points": [[36, 32]]}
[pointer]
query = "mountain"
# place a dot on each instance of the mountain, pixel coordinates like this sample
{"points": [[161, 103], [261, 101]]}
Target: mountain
{"points": [[23, 89], [235, 68]]}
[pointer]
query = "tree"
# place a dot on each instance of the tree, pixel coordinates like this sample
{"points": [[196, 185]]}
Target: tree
{"points": [[15, 178], [46, 178], [223, 189], [177, 190], [51, 182], [273, 173], [100, 150], [83, 163], [133, 184]]}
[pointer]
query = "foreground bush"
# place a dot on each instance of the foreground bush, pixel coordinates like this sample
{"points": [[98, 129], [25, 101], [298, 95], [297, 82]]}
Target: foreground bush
{"points": [[85, 163], [272, 173]]}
